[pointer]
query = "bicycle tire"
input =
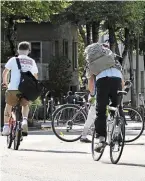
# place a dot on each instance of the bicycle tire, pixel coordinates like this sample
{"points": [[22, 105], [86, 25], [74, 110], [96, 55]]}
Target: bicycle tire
{"points": [[141, 121], [56, 113], [10, 137], [18, 132], [93, 151], [115, 161], [17, 138]]}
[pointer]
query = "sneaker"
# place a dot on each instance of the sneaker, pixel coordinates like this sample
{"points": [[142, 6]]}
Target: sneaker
{"points": [[85, 140], [99, 147], [24, 126], [6, 131]]}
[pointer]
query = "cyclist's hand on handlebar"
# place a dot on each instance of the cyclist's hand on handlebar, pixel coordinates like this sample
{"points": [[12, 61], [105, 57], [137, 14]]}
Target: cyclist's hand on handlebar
{"points": [[91, 99], [4, 85]]}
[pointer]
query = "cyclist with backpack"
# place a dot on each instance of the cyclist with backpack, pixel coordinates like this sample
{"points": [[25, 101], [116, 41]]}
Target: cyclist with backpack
{"points": [[104, 80], [27, 65]]}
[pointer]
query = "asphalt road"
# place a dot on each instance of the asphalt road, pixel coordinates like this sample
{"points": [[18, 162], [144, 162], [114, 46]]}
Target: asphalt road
{"points": [[43, 157]]}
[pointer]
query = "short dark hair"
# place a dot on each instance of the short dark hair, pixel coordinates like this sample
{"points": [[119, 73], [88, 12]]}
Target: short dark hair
{"points": [[24, 45]]}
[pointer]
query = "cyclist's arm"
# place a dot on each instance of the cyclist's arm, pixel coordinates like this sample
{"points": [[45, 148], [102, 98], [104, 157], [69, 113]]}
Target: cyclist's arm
{"points": [[91, 84], [91, 81], [5, 76], [123, 83], [8, 67]]}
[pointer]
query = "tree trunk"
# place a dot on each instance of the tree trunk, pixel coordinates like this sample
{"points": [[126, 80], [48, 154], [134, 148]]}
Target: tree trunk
{"points": [[82, 33], [126, 46], [10, 34], [88, 30], [111, 36], [130, 53], [95, 31]]}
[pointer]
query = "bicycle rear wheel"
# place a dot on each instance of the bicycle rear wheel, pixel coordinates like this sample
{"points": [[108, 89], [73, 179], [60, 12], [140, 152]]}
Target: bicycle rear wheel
{"points": [[68, 122], [117, 140], [135, 124], [96, 155]]}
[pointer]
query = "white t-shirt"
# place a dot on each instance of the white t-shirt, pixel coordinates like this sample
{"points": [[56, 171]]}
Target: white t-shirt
{"points": [[27, 64]]}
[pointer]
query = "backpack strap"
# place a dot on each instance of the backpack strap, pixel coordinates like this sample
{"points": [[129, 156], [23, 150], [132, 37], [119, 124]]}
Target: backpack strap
{"points": [[18, 63]]}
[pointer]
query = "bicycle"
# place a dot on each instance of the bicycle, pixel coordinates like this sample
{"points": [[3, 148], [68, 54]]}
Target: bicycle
{"points": [[15, 125], [49, 107], [135, 119], [141, 108], [115, 133], [69, 119], [15, 121]]}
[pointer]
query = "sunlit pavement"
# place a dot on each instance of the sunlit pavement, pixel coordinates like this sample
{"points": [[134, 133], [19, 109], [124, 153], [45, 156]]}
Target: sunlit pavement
{"points": [[43, 157]]}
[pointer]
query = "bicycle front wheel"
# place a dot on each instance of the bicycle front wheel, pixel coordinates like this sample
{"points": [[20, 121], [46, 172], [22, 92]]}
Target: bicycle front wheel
{"points": [[10, 137], [96, 155], [117, 140], [18, 134], [68, 122], [135, 124]]}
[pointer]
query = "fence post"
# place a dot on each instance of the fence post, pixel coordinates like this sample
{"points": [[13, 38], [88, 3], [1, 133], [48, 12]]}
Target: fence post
{"points": [[44, 109]]}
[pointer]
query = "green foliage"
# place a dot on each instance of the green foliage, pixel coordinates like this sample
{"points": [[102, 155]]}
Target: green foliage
{"points": [[60, 75], [37, 102], [36, 10], [5, 52]]}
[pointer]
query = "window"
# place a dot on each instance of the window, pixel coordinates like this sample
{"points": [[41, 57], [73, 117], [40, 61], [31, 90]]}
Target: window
{"points": [[56, 48], [36, 51], [65, 48], [74, 55]]}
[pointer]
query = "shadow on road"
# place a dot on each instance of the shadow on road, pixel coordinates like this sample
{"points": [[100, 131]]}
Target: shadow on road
{"points": [[127, 164], [54, 151], [134, 144], [132, 164], [41, 132]]}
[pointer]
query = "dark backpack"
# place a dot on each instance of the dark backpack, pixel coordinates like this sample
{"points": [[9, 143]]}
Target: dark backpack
{"points": [[29, 86]]}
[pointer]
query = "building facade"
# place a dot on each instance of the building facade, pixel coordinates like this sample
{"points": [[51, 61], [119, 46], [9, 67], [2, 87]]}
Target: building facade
{"points": [[127, 69], [48, 40]]}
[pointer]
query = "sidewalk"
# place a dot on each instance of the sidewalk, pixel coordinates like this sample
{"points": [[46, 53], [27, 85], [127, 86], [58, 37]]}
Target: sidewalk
{"points": [[47, 124]]}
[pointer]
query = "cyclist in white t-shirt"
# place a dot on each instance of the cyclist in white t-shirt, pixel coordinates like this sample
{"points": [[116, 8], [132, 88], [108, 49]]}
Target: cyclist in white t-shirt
{"points": [[27, 64]]}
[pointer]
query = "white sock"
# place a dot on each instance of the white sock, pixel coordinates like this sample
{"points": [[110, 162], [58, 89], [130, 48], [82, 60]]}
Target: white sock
{"points": [[25, 119], [84, 133]]}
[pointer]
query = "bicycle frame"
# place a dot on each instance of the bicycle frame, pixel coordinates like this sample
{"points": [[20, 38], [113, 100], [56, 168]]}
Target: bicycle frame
{"points": [[112, 122]]}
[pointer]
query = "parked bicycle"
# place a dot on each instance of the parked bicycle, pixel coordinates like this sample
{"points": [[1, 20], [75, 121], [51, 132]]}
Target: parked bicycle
{"points": [[68, 120], [49, 106], [134, 119]]}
